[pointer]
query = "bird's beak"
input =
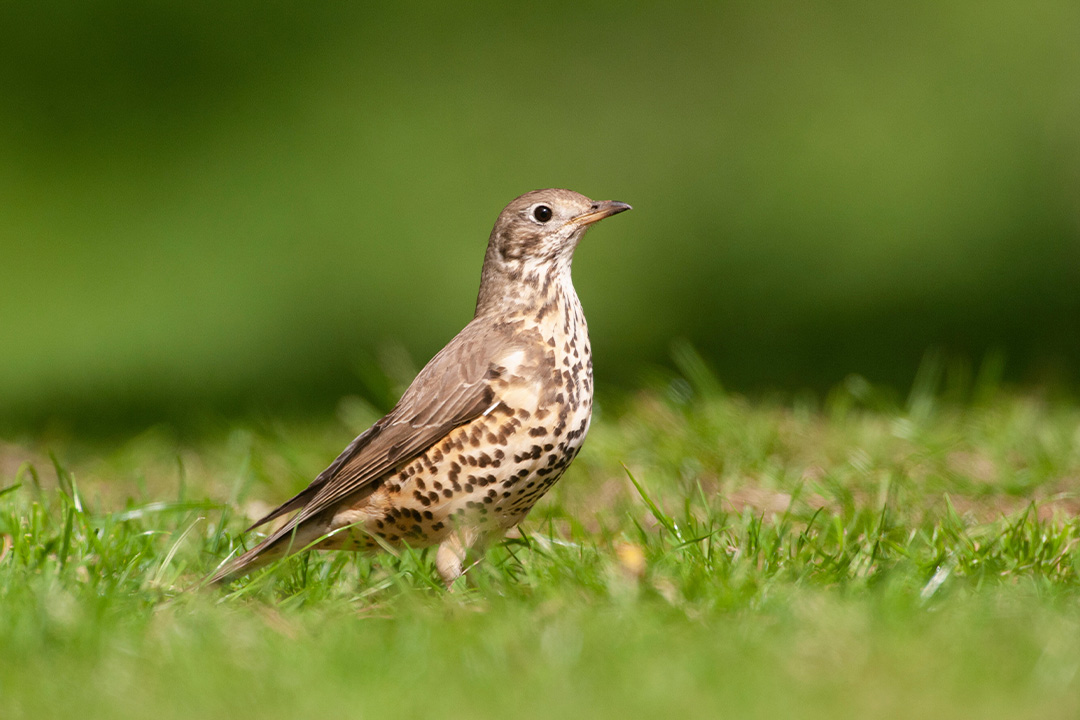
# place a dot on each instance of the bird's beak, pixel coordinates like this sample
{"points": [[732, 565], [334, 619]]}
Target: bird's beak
{"points": [[599, 211]]}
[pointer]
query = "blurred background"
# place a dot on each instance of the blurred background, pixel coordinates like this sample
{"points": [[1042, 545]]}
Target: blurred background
{"points": [[221, 208]]}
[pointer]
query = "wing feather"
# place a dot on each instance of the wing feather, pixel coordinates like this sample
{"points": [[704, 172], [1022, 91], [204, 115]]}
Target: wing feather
{"points": [[453, 389]]}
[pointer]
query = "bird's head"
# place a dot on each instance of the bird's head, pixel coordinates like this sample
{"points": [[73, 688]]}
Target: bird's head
{"points": [[544, 226], [536, 234]]}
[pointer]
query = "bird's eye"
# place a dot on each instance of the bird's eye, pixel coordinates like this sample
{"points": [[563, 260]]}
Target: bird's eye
{"points": [[542, 213]]}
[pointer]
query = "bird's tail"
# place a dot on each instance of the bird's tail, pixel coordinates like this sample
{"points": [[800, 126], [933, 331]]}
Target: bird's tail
{"points": [[284, 542]]}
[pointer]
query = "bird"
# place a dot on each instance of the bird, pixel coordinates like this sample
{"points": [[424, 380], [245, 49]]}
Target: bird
{"points": [[486, 427]]}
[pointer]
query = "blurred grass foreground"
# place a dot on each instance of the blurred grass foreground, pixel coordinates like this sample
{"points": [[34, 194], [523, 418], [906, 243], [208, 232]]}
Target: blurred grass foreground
{"points": [[224, 206], [909, 560]]}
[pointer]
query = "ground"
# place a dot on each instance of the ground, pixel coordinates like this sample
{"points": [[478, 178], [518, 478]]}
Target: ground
{"points": [[706, 555]]}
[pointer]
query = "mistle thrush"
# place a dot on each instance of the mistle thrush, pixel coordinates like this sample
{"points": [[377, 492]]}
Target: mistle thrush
{"points": [[488, 425]]}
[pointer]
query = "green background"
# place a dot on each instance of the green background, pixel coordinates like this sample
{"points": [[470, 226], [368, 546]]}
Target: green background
{"points": [[226, 206]]}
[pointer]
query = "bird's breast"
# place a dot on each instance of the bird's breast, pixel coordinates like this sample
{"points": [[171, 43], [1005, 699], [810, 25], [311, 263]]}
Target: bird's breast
{"points": [[489, 472]]}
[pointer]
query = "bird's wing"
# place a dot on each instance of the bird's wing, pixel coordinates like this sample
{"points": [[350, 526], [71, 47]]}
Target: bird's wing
{"points": [[452, 389]]}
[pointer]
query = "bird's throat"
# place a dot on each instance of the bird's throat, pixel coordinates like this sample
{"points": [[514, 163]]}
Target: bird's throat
{"points": [[526, 288]]}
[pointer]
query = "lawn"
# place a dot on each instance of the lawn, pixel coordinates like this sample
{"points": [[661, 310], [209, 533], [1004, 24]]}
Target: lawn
{"points": [[707, 555]]}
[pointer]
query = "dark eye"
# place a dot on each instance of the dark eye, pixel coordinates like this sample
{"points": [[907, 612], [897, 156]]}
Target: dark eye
{"points": [[542, 213]]}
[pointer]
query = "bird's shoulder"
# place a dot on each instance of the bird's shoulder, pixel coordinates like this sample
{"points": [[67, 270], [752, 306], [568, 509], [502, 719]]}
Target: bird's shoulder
{"points": [[486, 353]]}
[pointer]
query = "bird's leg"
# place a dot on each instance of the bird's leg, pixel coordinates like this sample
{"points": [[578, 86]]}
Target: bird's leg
{"points": [[455, 550], [450, 559]]}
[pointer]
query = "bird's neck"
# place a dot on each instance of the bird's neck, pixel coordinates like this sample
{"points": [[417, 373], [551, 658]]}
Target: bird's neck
{"points": [[525, 288]]}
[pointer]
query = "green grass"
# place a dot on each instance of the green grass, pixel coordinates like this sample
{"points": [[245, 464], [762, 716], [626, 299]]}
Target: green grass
{"points": [[706, 556]]}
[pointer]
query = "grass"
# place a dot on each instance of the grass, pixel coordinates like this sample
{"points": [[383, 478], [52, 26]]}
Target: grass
{"points": [[705, 555]]}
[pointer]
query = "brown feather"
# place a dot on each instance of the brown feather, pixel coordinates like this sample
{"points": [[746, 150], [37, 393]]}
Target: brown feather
{"points": [[452, 389]]}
